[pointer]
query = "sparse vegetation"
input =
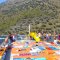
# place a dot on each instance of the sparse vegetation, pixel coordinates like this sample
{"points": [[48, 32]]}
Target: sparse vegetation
{"points": [[41, 14]]}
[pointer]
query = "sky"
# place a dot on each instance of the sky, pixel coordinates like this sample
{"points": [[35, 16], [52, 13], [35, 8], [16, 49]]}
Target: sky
{"points": [[2, 1]]}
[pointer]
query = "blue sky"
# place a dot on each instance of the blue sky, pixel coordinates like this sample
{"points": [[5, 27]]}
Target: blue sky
{"points": [[2, 1]]}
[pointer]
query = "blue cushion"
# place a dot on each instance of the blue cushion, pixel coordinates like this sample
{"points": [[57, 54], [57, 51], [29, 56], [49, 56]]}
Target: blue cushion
{"points": [[39, 59], [53, 48], [41, 48], [18, 59]]}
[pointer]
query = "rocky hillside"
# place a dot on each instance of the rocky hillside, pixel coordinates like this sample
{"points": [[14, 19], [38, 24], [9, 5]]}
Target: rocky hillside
{"points": [[16, 15]]}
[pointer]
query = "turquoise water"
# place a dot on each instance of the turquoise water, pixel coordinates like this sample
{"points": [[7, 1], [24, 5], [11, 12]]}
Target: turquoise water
{"points": [[2, 38], [20, 37]]}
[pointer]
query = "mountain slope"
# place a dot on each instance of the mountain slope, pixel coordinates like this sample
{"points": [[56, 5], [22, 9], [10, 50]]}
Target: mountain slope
{"points": [[16, 15]]}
